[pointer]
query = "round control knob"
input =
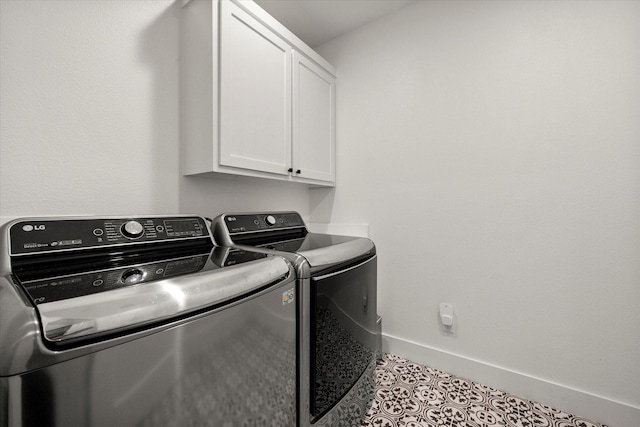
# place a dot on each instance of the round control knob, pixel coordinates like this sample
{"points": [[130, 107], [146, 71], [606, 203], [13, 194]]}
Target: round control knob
{"points": [[133, 276], [270, 220], [132, 229]]}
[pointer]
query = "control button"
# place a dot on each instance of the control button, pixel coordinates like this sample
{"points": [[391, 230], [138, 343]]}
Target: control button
{"points": [[270, 220], [98, 232], [132, 229], [133, 276], [159, 228], [98, 282]]}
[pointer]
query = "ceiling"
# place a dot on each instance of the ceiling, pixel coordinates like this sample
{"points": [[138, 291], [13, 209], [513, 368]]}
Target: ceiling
{"points": [[318, 21]]}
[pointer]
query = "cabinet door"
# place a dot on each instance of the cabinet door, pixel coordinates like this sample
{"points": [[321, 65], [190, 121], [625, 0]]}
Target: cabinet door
{"points": [[255, 94], [313, 120]]}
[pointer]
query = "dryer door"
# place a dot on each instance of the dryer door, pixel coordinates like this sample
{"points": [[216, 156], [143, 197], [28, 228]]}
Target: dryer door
{"points": [[344, 333]]}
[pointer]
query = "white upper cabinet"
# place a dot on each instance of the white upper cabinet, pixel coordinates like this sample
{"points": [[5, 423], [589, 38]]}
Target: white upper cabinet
{"points": [[256, 101], [313, 120], [255, 94]]}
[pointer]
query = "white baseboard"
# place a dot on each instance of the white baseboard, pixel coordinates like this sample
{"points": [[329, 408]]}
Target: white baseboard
{"points": [[579, 403]]}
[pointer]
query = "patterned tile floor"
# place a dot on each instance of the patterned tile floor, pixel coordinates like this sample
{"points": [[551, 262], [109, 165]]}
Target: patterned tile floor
{"points": [[413, 395]]}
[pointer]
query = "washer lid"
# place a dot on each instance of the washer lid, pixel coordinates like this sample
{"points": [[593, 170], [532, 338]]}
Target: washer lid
{"points": [[93, 315]]}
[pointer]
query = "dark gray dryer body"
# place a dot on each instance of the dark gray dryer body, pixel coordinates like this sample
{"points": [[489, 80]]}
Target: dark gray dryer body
{"points": [[339, 336]]}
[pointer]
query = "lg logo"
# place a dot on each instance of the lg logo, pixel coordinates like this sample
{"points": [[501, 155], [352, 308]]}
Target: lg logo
{"points": [[30, 227]]}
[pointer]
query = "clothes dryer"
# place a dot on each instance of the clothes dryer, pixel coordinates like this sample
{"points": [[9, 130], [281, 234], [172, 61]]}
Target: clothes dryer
{"points": [[338, 336]]}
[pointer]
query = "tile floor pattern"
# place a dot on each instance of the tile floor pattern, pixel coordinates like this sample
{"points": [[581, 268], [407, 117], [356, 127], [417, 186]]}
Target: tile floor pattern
{"points": [[413, 395]]}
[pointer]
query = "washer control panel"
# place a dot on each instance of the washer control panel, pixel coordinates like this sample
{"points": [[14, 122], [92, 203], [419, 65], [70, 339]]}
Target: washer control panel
{"points": [[41, 236], [247, 223]]}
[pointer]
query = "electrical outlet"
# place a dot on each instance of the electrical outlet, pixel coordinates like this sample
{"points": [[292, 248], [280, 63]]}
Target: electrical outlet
{"points": [[446, 316]]}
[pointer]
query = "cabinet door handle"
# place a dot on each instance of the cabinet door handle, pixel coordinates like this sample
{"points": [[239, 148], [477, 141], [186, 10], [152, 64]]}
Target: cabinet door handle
{"points": [[298, 171], [290, 170]]}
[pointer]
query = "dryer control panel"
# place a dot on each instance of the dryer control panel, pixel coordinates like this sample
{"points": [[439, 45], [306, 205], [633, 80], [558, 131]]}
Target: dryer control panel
{"points": [[247, 223], [44, 236]]}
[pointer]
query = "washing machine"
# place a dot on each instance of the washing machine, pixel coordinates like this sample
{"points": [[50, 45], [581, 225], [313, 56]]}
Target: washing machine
{"points": [[142, 321]]}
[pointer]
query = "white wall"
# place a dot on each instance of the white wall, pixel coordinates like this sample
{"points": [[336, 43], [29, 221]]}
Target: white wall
{"points": [[210, 197], [89, 108], [493, 148], [89, 115]]}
